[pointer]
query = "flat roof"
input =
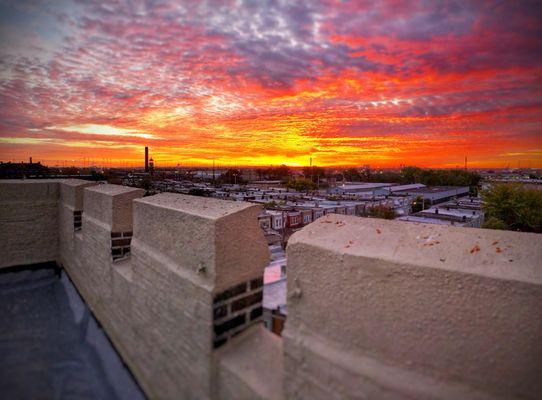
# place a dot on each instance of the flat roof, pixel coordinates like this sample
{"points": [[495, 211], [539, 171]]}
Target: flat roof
{"points": [[274, 294], [427, 220], [364, 186], [407, 187], [456, 212], [52, 346], [436, 189]]}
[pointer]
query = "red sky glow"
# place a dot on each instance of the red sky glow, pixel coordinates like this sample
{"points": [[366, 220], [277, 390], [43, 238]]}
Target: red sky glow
{"points": [[269, 82]]}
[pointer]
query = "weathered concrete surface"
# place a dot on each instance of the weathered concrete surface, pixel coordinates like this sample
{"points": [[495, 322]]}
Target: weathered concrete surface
{"points": [[437, 301], [215, 242], [71, 200], [111, 205], [157, 305], [71, 192], [177, 268], [251, 366], [377, 309], [28, 221]]}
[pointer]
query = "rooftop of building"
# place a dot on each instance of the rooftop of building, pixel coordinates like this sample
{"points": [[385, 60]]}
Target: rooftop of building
{"points": [[51, 345], [378, 308], [436, 189]]}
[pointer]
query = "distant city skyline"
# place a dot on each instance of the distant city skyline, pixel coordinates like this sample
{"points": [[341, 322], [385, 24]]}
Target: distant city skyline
{"points": [[272, 82]]}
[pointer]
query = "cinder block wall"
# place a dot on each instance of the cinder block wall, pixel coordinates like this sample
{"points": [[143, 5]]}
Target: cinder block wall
{"points": [[28, 221], [380, 309]]}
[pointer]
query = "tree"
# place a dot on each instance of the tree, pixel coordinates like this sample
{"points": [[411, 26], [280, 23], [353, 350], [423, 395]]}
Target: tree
{"points": [[314, 173], [382, 212], [449, 177], [513, 207], [146, 183], [282, 173], [495, 223], [232, 176], [301, 185], [352, 175]]}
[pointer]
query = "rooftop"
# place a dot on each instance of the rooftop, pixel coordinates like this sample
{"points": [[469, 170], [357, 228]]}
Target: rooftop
{"points": [[435, 189], [376, 308], [50, 344]]}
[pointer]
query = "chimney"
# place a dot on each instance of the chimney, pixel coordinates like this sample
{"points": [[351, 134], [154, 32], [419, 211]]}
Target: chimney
{"points": [[146, 159], [30, 160]]}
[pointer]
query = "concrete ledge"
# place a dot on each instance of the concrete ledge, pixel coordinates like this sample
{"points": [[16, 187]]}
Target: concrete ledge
{"points": [[330, 373], [441, 301], [28, 221], [491, 253], [111, 205], [29, 190], [251, 366], [215, 241], [71, 192]]}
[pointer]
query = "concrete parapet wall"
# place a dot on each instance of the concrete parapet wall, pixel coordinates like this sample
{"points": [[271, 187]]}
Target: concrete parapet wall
{"points": [[111, 205], [251, 367], [28, 221], [71, 192], [450, 305], [159, 305], [207, 238], [376, 309]]}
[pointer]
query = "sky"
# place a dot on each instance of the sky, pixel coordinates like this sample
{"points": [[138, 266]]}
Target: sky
{"points": [[346, 83]]}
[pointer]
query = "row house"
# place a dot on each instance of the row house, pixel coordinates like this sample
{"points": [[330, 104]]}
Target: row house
{"points": [[328, 210], [293, 219], [317, 213], [264, 220], [340, 210], [277, 220], [351, 210], [306, 216]]}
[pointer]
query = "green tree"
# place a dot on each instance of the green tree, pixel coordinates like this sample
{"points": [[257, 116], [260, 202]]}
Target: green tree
{"points": [[513, 206], [448, 177], [495, 223]]}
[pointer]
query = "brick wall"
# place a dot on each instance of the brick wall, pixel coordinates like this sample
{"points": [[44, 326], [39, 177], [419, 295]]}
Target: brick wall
{"points": [[236, 308], [120, 244]]}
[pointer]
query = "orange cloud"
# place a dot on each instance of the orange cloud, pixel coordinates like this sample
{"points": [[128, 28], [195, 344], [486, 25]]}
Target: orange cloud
{"points": [[349, 83]]}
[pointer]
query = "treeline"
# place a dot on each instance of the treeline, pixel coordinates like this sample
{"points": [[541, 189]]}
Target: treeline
{"points": [[408, 175], [513, 207], [317, 177]]}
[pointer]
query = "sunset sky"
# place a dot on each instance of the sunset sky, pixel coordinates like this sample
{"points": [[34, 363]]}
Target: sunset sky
{"points": [[269, 82]]}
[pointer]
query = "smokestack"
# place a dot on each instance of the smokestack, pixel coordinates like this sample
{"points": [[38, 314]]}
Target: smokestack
{"points": [[146, 159], [30, 160]]}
